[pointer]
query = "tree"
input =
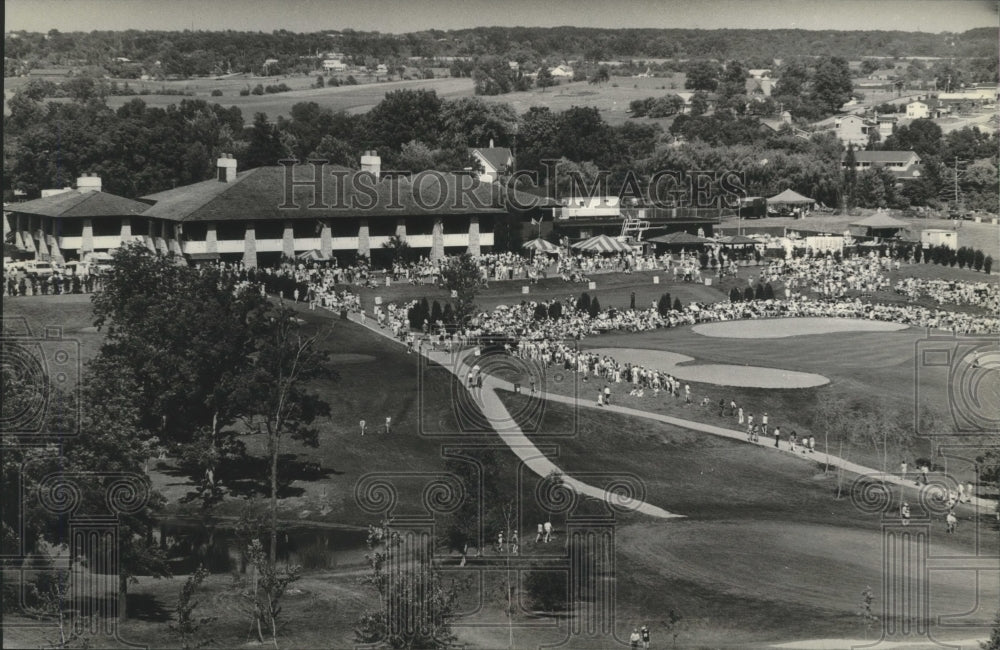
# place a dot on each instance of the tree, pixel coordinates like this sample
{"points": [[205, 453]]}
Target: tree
{"points": [[702, 75], [850, 177], [401, 250], [462, 275], [403, 116], [993, 643], [987, 264], [265, 144], [272, 396], [600, 76], [868, 617], [182, 380], [187, 625], [699, 104], [544, 78], [595, 307], [416, 605], [263, 590], [474, 122], [832, 86], [677, 304]]}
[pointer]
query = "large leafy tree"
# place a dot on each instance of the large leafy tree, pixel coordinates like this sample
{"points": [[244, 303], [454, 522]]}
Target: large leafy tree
{"points": [[265, 145], [403, 116], [831, 85], [462, 275], [702, 75], [473, 122]]}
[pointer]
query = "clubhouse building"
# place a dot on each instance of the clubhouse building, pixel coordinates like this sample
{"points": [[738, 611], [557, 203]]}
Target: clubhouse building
{"points": [[262, 215]]}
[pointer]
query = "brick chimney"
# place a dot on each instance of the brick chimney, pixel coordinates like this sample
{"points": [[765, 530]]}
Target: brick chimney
{"points": [[225, 168], [370, 162], [89, 183]]}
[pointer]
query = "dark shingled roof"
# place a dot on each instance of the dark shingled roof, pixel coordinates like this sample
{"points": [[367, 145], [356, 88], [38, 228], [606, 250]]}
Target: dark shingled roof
{"points": [[259, 193], [75, 203]]}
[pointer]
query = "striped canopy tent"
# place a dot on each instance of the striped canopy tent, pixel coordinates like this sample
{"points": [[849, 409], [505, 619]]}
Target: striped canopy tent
{"points": [[681, 239], [540, 246], [602, 244]]}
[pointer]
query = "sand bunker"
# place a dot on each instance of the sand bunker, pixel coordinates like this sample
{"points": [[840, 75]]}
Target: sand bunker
{"points": [[714, 373], [779, 328]]}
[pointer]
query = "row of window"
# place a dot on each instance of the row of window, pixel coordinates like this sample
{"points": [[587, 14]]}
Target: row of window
{"points": [[271, 229]]}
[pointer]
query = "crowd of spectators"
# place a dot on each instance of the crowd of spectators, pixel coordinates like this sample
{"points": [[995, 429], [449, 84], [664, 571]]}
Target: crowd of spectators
{"points": [[979, 294]]}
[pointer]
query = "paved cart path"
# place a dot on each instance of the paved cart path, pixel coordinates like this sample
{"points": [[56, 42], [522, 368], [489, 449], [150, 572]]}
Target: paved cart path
{"points": [[494, 409]]}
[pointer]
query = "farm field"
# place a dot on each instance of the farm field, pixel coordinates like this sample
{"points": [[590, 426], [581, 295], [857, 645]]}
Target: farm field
{"points": [[611, 99]]}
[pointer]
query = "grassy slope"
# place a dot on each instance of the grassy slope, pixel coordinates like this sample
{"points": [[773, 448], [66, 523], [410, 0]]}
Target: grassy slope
{"points": [[872, 365], [766, 553]]}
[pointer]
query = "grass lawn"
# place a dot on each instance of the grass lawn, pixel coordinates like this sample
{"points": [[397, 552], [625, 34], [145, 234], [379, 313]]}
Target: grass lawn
{"points": [[613, 290], [766, 553], [879, 366]]}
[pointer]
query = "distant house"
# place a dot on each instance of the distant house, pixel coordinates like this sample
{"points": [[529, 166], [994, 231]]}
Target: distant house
{"points": [[852, 129], [916, 110], [760, 73], [886, 125], [561, 72], [687, 96], [759, 87], [904, 165], [926, 108], [496, 162], [381, 69], [334, 65], [514, 65]]}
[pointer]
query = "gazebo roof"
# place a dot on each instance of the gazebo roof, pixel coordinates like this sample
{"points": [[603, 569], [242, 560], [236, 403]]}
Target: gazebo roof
{"points": [[737, 240], [880, 221], [790, 196], [680, 238]]}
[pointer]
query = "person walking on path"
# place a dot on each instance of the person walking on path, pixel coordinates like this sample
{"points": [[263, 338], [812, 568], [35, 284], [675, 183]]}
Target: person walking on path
{"points": [[777, 436], [363, 424], [644, 632]]}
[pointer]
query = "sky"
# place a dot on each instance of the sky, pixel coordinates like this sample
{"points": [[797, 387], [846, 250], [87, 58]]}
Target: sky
{"points": [[397, 16]]}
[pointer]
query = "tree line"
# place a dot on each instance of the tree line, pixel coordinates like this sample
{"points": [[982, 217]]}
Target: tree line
{"points": [[192, 53], [138, 149]]}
